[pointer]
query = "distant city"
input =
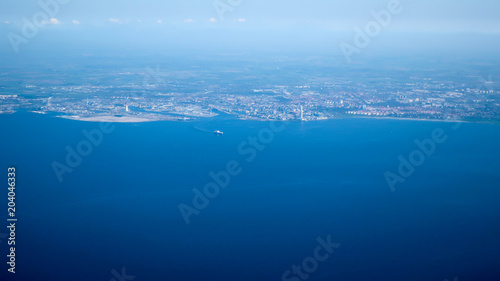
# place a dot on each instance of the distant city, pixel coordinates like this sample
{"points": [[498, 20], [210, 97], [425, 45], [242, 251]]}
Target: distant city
{"points": [[256, 92]]}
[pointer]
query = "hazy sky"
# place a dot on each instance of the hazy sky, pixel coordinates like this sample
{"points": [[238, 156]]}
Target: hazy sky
{"points": [[242, 23], [444, 15]]}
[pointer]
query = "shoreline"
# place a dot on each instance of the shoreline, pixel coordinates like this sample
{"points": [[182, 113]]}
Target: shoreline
{"points": [[141, 119], [116, 119]]}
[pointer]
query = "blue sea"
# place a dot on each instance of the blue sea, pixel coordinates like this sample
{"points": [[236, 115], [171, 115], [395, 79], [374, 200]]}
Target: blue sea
{"points": [[118, 210]]}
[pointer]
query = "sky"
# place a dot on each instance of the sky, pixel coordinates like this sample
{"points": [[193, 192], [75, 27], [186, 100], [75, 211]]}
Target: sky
{"points": [[249, 24]]}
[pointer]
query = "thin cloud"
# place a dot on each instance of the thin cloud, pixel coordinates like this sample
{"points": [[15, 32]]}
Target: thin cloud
{"points": [[189, 21], [242, 20], [51, 21], [113, 20], [159, 21], [212, 19], [75, 22]]}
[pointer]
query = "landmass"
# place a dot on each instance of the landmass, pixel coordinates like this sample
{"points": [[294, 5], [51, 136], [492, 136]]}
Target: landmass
{"points": [[258, 92]]}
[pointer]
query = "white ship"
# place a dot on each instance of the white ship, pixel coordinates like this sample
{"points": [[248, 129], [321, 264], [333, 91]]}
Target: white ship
{"points": [[218, 132]]}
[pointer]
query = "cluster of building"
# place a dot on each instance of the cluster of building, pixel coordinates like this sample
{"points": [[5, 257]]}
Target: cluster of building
{"points": [[315, 101]]}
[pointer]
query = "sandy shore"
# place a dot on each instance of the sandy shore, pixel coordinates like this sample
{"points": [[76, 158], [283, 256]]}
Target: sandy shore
{"points": [[116, 119], [140, 119]]}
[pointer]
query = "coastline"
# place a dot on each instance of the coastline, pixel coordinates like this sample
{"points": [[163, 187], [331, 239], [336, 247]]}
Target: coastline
{"points": [[130, 119], [116, 119], [143, 119]]}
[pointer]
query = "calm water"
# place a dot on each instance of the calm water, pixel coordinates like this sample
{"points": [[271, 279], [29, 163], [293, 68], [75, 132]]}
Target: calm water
{"points": [[119, 207]]}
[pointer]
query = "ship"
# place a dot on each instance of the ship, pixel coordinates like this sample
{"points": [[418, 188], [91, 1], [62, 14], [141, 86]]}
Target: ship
{"points": [[217, 132]]}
